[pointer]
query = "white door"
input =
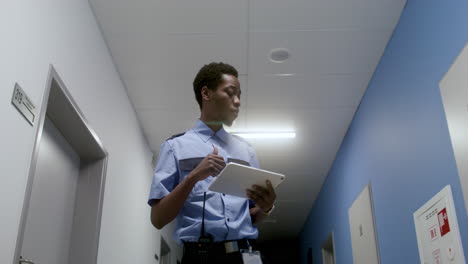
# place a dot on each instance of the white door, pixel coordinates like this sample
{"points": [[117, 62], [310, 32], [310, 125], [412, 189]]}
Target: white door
{"points": [[361, 221], [50, 215]]}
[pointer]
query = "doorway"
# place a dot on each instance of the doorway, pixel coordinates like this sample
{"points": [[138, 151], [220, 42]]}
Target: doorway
{"points": [[328, 250], [61, 216]]}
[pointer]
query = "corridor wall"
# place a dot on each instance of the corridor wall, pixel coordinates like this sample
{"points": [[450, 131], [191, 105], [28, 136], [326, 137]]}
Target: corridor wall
{"points": [[35, 34], [398, 140]]}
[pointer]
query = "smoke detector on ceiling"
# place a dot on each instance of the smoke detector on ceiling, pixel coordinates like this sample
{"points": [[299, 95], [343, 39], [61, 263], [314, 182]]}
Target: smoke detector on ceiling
{"points": [[279, 55]]}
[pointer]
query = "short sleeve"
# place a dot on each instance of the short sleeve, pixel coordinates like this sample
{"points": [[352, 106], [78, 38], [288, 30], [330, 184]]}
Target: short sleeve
{"points": [[165, 176]]}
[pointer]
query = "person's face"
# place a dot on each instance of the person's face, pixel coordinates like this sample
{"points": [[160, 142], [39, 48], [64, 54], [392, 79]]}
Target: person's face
{"points": [[225, 100]]}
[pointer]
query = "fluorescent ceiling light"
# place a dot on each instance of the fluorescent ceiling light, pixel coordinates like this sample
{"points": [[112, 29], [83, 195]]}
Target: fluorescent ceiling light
{"points": [[282, 74], [266, 135]]}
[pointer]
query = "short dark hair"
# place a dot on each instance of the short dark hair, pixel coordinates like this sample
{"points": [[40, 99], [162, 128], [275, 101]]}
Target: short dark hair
{"points": [[210, 75]]}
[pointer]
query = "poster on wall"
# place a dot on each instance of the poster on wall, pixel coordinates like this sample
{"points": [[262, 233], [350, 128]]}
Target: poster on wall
{"points": [[437, 231]]}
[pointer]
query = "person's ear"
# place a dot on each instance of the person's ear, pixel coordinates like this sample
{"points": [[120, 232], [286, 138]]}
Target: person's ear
{"points": [[206, 93]]}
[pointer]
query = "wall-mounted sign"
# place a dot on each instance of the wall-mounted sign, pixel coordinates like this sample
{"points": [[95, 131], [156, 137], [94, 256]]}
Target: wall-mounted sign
{"points": [[437, 231], [24, 105]]}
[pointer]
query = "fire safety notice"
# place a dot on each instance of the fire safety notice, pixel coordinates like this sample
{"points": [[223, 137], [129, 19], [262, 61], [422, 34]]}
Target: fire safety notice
{"points": [[443, 222], [437, 231]]}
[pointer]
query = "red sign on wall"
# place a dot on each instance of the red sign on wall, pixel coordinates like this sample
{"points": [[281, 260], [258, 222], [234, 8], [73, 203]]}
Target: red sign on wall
{"points": [[443, 222]]}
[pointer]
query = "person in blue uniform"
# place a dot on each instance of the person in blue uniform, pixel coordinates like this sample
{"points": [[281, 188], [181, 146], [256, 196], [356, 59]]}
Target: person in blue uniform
{"points": [[212, 226]]}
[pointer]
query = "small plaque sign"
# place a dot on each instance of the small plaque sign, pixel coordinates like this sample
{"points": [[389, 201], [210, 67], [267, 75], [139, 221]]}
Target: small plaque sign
{"points": [[24, 105]]}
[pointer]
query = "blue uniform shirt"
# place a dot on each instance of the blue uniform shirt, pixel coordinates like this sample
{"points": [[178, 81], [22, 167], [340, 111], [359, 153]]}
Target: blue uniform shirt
{"points": [[226, 217]]}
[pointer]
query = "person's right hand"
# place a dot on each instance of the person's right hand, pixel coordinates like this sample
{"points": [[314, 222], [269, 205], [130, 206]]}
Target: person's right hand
{"points": [[211, 165]]}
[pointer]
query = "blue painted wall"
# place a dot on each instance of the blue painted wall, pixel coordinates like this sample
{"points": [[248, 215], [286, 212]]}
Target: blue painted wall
{"points": [[398, 140]]}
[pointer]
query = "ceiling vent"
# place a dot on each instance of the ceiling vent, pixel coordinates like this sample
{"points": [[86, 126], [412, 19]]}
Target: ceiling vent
{"points": [[279, 55]]}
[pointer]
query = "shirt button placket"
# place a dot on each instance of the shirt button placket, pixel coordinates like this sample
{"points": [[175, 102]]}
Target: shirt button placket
{"points": [[227, 209]]}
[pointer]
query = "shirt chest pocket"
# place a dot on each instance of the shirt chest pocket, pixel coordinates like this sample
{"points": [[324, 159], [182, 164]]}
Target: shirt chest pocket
{"points": [[186, 166], [190, 163]]}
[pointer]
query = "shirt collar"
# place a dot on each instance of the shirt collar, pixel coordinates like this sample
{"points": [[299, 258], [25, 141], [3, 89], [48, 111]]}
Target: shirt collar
{"points": [[205, 132]]}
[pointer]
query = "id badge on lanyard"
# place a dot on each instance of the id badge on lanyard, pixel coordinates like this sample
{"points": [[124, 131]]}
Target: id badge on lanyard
{"points": [[251, 257]]}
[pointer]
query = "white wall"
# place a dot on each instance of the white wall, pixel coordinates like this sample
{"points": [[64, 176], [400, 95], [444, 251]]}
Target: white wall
{"points": [[33, 35]]}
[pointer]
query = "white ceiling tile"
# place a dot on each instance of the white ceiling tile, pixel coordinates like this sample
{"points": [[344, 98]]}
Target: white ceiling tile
{"points": [[344, 52], [279, 15], [181, 16], [275, 91], [166, 76], [154, 58], [124, 18], [164, 94], [185, 54], [339, 88], [310, 91], [218, 16]]}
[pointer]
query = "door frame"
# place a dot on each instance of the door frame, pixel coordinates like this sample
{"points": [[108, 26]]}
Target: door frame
{"points": [[73, 125]]}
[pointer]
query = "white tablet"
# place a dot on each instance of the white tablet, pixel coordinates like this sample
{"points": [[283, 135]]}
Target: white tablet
{"points": [[235, 179]]}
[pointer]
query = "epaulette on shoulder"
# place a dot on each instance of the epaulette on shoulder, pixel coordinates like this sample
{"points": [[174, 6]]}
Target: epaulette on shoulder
{"points": [[176, 135]]}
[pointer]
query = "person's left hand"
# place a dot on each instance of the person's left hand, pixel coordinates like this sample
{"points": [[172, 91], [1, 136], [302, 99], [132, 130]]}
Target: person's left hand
{"points": [[263, 197]]}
